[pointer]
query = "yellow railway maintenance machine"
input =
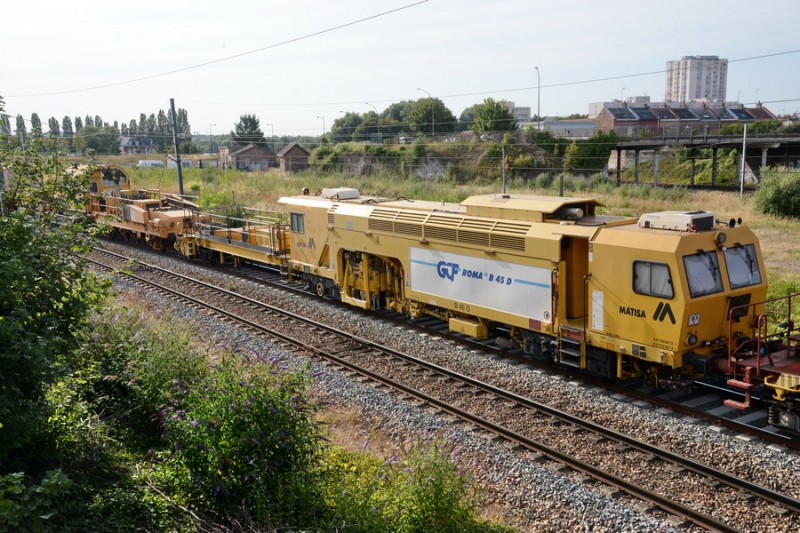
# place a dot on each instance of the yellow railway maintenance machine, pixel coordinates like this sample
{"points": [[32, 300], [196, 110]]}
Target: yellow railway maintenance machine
{"points": [[645, 297], [142, 214]]}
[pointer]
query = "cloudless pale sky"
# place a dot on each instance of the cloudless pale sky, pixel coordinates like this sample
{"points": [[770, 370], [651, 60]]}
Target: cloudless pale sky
{"points": [[292, 62]]}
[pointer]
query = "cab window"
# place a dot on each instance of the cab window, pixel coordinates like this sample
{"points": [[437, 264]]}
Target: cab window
{"points": [[702, 273], [652, 279], [297, 223], [742, 266]]}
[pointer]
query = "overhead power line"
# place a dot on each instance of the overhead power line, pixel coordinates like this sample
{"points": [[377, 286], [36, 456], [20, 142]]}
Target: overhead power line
{"points": [[226, 58], [496, 91]]}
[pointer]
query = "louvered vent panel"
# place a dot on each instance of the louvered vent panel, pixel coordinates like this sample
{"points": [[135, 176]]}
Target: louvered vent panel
{"points": [[419, 218], [473, 237], [408, 229], [476, 224], [381, 225], [508, 241], [331, 211], [442, 220], [512, 227], [444, 234], [383, 214]]}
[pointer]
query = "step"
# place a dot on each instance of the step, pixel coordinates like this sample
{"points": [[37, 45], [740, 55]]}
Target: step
{"points": [[569, 352], [742, 406], [739, 384]]}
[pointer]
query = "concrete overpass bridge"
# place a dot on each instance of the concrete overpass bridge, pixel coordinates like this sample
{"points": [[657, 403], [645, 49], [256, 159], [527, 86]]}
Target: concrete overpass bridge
{"points": [[760, 151]]}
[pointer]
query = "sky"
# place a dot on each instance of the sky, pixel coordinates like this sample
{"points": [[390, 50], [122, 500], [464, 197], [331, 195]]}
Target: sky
{"points": [[299, 65]]}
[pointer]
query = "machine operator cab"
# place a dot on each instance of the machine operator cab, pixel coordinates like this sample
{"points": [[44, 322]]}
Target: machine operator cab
{"points": [[670, 266]]}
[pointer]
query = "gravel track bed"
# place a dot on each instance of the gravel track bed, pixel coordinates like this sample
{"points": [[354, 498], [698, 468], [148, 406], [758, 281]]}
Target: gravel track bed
{"points": [[529, 494]]}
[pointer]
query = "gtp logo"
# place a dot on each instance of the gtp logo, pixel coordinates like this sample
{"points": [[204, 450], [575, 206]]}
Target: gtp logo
{"points": [[447, 270]]}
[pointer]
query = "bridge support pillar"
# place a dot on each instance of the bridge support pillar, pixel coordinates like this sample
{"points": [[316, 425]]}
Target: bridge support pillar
{"points": [[714, 166], [655, 168]]}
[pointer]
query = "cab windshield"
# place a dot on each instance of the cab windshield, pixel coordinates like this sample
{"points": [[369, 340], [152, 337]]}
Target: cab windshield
{"points": [[702, 272], [742, 266]]}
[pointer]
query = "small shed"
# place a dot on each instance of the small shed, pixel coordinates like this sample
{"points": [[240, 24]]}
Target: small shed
{"points": [[293, 157], [247, 158]]}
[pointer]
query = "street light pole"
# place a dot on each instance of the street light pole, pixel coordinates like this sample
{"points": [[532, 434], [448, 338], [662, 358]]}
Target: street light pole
{"points": [[538, 100], [503, 168], [432, 107], [323, 124], [272, 135], [377, 115]]}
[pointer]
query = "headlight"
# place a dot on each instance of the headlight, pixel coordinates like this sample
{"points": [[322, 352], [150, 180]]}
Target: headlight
{"points": [[691, 339]]}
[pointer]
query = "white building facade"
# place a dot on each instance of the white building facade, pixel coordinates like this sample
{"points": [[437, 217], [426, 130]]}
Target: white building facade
{"points": [[696, 79]]}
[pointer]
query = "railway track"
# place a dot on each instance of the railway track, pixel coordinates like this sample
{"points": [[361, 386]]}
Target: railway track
{"points": [[528, 426], [702, 404]]}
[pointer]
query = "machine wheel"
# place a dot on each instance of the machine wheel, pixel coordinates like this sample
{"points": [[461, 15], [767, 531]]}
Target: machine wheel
{"points": [[157, 243], [319, 289]]}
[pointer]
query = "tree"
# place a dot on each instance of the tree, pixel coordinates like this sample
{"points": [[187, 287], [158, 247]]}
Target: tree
{"points": [[396, 118], [151, 126], [248, 131], [182, 118], [54, 128], [142, 128], [5, 123], [22, 130], [88, 121], [591, 155], [430, 115], [105, 140], [493, 116], [132, 127], [66, 129], [370, 124], [54, 133], [78, 124], [36, 125], [163, 131], [344, 128], [466, 119], [46, 294]]}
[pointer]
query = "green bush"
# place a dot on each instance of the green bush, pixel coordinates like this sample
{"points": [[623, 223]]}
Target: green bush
{"points": [[27, 506], [779, 193], [427, 491], [244, 439], [121, 376]]}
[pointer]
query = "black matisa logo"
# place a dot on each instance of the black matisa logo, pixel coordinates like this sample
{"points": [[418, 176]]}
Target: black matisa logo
{"points": [[662, 312], [632, 311]]}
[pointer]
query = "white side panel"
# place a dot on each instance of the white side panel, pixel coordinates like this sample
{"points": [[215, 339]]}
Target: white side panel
{"points": [[508, 287], [597, 310]]}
